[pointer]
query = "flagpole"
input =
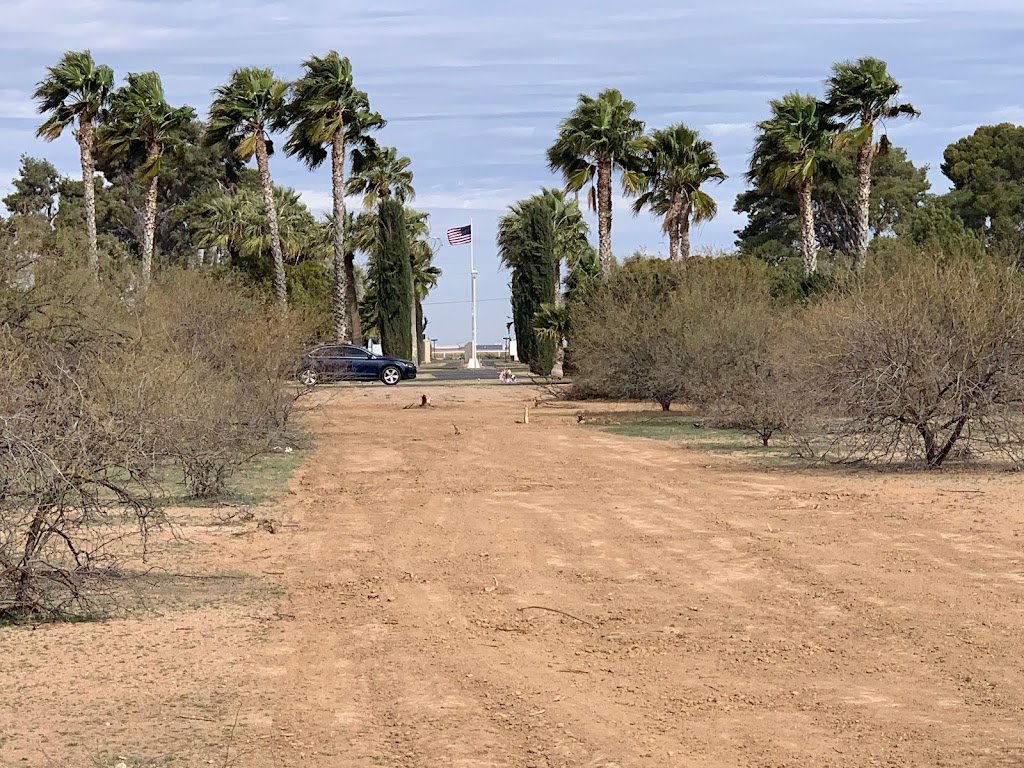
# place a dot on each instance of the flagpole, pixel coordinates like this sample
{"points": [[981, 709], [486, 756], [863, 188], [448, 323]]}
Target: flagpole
{"points": [[472, 362]]}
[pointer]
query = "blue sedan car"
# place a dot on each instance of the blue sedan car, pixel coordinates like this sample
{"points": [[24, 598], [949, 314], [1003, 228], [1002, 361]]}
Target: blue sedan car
{"points": [[347, 362]]}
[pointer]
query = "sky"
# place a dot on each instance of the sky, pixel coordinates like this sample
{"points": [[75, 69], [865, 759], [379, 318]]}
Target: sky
{"points": [[473, 91]]}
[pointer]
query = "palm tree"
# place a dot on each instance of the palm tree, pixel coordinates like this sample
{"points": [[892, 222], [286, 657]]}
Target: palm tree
{"points": [[571, 232], [299, 235], [598, 137], [75, 91], [325, 111], [217, 226], [676, 163], [791, 151], [352, 300], [865, 92], [378, 173], [551, 323], [141, 126], [243, 113], [237, 225], [424, 273], [583, 276]]}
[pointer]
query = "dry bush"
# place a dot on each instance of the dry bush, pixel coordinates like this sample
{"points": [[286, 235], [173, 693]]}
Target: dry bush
{"points": [[76, 447], [622, 339], [227, 356], [96, 397], [924, 358], [664, 331], [760, 392]]}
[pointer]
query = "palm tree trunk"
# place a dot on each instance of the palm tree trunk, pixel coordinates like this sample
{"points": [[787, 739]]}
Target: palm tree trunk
{"points": [[672, 222], [89, 190], [558, 366], [604, 214], [269, 207], [353, 299], [149, 234], [684, 232], [863, 173], [808, 241], [340, 310]]}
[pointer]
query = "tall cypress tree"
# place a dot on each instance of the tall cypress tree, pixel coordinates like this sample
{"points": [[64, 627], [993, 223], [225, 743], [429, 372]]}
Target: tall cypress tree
{"points": [[533, 283], [394, 280]]}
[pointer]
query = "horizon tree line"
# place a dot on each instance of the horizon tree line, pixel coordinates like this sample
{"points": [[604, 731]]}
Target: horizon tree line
{"points": [[813, 170], [325, 118], [804, 156]]}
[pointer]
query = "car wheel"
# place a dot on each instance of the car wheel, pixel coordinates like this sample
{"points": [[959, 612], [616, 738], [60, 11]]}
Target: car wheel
{"points": [[309, 377], [391, 375]]}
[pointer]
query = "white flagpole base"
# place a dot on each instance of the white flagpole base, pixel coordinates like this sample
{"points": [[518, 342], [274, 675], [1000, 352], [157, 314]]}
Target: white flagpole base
{"points": [[473, 363]]}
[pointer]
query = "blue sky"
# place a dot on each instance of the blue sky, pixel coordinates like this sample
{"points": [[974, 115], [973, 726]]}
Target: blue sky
{"points": [[473, 91]]}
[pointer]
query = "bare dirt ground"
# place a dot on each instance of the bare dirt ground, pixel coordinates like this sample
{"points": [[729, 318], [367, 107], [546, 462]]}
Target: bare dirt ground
{"points": [[549, 595]]}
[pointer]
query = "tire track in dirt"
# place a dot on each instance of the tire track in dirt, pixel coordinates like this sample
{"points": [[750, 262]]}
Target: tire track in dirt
{"points": [[734, 617]]}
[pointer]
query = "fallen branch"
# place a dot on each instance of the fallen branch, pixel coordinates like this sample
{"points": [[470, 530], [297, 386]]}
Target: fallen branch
{"points": [[423, 403], [555, 610]]}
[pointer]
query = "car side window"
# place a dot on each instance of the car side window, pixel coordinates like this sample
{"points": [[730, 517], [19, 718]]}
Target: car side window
{"points": [[355, 352], [328, 352]]}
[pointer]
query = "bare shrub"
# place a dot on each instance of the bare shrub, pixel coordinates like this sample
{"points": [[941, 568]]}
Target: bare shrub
{"points": [[623, 340], [666, 331], [227, 356], [96, 397], [760, 392], [924, 358], [76, 447]]}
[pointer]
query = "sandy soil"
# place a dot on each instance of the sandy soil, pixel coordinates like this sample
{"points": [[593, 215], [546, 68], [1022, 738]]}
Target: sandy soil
{"points": [[500, 594]]}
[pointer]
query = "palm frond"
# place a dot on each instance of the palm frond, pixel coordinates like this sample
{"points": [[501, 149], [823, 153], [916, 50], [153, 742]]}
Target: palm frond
{"points": [[324, 102], [140, 125], [251, 103], [677, 163], [791, 144], [76, 89]]}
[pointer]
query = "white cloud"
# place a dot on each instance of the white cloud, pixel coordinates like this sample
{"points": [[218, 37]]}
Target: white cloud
{"points": [[16, 105], [471, 199], [729, 129], [854, 21], [321, 201], [514, 131], [1012, 114], [317, 200], [55, 26]]}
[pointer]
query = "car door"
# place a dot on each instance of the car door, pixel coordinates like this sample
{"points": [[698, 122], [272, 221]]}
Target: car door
{"points": [[331, 362], [360, 366]]}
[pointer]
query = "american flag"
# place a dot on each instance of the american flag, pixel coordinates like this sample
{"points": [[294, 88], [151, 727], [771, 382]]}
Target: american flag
{"points": [[460, 235]]}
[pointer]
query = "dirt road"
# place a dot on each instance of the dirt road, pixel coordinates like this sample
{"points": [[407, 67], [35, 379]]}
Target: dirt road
{"points": [[459, 589]]}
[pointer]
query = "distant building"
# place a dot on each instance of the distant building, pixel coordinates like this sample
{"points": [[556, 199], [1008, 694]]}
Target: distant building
{"points": [[461, 352]]}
